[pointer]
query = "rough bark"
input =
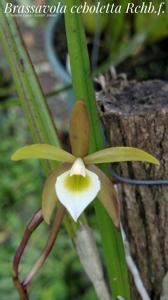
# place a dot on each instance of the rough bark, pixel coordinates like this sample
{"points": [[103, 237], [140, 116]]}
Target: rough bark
{"points": [[136, 114]]}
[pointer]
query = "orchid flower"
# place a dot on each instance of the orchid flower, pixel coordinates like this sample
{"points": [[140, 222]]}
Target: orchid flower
{"points": [[77, 181]]}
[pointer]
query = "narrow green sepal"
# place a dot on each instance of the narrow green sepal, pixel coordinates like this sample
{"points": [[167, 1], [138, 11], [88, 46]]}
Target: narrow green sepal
{"points": [[43, 151], [120, 154]]}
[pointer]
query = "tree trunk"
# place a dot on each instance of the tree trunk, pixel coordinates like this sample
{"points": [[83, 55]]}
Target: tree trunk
{"points": [[136, 114]]}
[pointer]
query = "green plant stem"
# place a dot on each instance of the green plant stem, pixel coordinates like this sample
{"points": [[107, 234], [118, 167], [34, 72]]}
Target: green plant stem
{"points": [[83, 90]]}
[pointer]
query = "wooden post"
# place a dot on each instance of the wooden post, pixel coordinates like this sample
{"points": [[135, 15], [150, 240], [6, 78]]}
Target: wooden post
{"points": [[136, 114]]}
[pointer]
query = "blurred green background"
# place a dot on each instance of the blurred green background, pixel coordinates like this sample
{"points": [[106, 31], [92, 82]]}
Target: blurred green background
{"points": [[62, 276]]}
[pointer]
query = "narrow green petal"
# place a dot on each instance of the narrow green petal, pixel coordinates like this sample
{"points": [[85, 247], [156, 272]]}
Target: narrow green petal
{"points": [[49, 197], [120, 154], [43, 151], [108, 195], [79, 130]]}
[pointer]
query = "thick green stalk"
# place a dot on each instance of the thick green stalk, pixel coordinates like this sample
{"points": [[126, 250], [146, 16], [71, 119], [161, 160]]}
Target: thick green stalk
{"points": [[83, 89]]}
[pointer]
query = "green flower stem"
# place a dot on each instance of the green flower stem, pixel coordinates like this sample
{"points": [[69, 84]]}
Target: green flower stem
{"points": [[83, 89]]}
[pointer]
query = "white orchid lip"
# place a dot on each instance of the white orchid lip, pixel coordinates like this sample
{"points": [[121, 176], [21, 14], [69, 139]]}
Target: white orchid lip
{"points": [[77, 188]]}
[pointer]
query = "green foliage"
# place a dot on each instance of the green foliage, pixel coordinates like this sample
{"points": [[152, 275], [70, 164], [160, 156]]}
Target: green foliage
{"points": [[62, 276], [83, 90], [94, 21], [156, 26], [14, 186], [119, 34]]}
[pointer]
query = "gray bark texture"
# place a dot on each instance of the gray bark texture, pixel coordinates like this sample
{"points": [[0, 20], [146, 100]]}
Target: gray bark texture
{"points": [[136, 114]]}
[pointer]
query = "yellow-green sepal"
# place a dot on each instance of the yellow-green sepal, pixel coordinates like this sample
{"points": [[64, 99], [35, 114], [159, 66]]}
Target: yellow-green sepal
{"points": [[107, 195], [79, 130], [120, 154], [49, 197], [43, 151]]}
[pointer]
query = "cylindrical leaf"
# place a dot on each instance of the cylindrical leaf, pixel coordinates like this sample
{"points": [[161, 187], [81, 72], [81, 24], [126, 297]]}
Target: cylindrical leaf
{"points": [[83, 89]]}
